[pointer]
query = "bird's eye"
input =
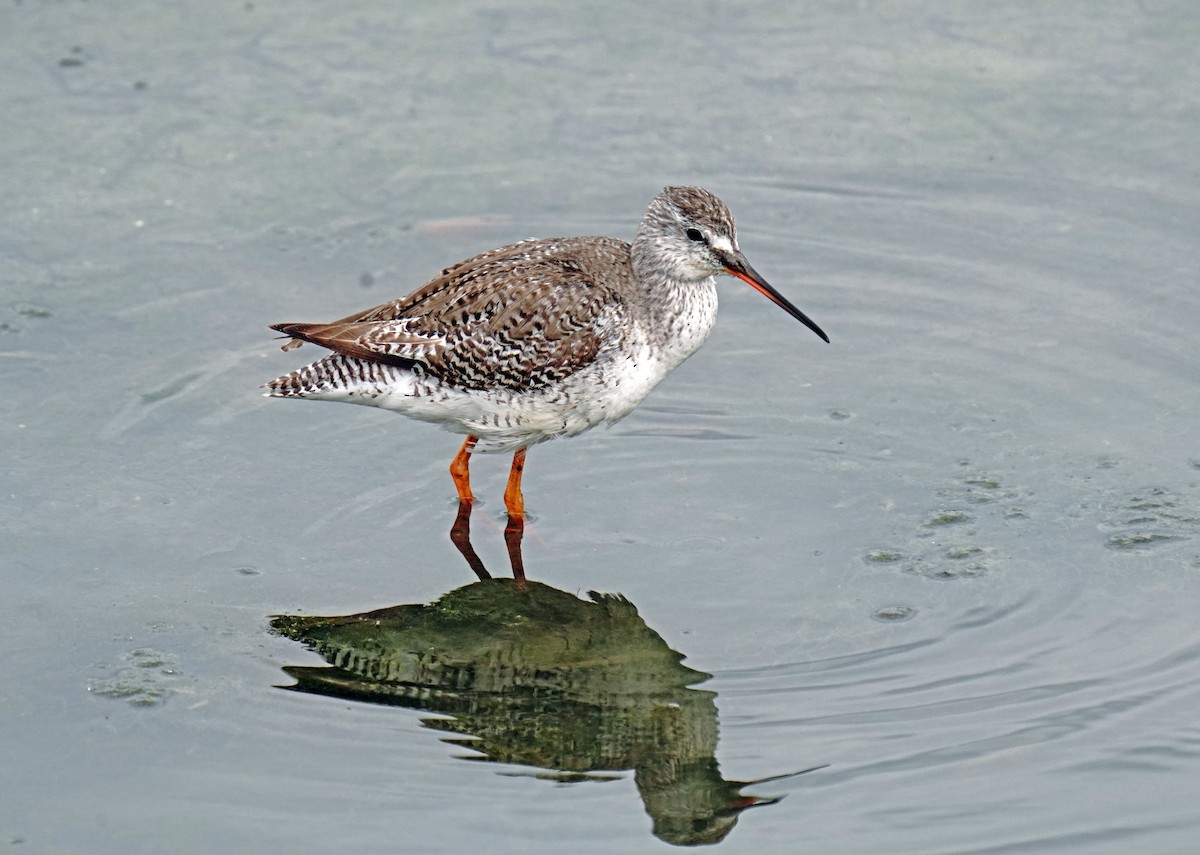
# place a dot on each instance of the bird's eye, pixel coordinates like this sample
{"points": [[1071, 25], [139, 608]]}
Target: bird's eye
{"points": [[695, 234]]}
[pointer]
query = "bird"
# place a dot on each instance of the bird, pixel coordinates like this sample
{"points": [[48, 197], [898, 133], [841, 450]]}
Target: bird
{"points": [[539, 339]]}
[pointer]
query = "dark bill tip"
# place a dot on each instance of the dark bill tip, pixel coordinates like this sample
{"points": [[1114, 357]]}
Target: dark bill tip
{"points": [[736, 265]]}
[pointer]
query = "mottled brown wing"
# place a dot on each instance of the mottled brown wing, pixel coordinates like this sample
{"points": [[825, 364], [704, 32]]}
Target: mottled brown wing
{"points": [[520, 317]]}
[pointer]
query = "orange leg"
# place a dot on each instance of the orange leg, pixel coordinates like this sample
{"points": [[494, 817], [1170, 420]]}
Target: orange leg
{"points": [[513, 500], [460, 470]]}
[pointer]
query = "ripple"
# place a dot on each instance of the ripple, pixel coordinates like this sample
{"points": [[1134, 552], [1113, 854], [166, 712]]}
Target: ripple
{"points": [[894, 614], [952, 517], [1148, 517], [884, 556], [144, 677]]}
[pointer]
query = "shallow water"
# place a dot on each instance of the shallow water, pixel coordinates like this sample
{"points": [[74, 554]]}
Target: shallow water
{"points": [[952, 557]]}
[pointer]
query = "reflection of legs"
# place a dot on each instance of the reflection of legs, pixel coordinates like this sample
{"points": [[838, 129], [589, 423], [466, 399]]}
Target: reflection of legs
{"points": [[460, 470], [513, 532], [513, 500], [460, 535]]}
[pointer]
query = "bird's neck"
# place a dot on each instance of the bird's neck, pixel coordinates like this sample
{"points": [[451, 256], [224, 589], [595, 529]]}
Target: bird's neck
{"points": [[678, 315]]}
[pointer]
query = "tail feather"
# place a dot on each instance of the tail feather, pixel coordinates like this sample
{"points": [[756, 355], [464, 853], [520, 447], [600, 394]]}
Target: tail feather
{"points": [[291, 332], [332, 376]]}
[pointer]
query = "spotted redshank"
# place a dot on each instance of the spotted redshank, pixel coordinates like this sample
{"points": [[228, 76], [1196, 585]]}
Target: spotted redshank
{"points": [[538, 339]]}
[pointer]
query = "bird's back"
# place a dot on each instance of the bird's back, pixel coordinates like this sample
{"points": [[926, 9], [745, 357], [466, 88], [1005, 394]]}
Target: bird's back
{"points": [[519, 317]]}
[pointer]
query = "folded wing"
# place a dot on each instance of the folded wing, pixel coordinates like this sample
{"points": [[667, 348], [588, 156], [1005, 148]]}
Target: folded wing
{"points": [[521, 317]]}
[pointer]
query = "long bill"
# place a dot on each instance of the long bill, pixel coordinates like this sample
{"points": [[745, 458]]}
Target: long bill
{"points": [[737, 265]]}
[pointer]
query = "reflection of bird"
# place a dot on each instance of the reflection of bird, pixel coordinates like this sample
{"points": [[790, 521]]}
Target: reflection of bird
{"points": [[539, 339], [536, 676]]}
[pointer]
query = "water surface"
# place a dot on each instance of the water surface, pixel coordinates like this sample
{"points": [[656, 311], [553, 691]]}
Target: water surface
{"points": [[951, 557]]}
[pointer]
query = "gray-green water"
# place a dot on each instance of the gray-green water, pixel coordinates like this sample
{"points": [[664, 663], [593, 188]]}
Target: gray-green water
{"points": [[954, 554]]}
